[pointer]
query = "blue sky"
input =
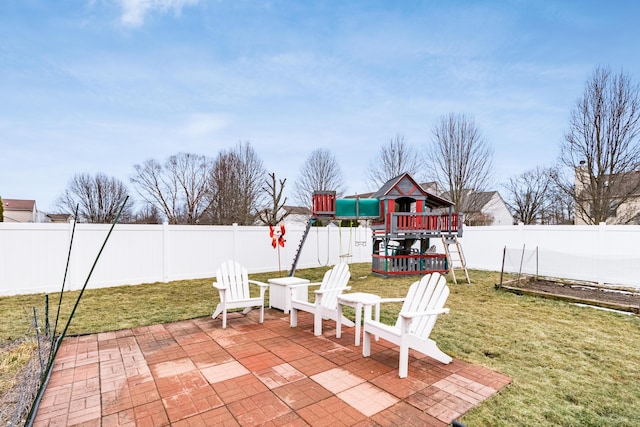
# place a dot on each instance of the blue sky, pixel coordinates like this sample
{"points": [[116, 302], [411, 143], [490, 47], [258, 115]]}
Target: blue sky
{"points": [[101, 85]]}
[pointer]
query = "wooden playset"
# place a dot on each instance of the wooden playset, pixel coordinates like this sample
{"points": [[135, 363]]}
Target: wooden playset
{"points": [[404, 218]]}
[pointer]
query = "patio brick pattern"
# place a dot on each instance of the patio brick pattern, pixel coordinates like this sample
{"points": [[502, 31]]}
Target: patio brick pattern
{"points": [[193, 373]]}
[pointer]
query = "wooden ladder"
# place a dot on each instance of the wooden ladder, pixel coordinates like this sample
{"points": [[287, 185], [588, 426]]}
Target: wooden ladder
{"points": [[455, 257], [300, 245]]}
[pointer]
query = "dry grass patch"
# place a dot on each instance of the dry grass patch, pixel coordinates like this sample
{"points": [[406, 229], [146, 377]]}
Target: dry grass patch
{"points": [[13, 357], [19, 379]]}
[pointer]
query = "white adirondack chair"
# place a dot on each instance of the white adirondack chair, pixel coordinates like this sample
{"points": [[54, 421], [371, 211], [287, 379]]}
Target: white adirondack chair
{"points": [[423, 304], [233, 282], [325, 305]]}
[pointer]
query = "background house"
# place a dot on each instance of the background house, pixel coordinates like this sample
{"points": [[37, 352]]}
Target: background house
{"points": [[624, 206], [488, 208], [16, 210], [485, 207], [297, 214], [59, 218]]}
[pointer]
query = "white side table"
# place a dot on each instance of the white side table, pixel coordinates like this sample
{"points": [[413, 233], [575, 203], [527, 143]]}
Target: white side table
{"points": [[358, 300], [280, 292]]}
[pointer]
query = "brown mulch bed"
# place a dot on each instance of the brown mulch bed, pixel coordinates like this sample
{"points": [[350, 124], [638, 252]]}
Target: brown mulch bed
{"points": [[585, 293]]}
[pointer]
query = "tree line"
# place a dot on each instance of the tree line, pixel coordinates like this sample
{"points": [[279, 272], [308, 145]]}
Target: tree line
{"points": [[599, 156]]}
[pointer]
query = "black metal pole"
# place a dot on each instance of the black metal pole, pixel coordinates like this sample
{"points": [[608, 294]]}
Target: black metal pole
{"points": [[66, 269], [56, 347]]}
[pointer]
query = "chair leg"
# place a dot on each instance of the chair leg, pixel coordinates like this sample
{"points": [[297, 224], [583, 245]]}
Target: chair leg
{"points": [[224, 319], [366, 344], [359, 319], [435, 353], [339, 322], [262, 314], [317, 322], [403, 369], [217, 311], [293, 318]]}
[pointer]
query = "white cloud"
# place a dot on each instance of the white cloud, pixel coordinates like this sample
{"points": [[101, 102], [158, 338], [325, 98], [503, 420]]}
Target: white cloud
{"points": [[201, 124], [135, 11]]}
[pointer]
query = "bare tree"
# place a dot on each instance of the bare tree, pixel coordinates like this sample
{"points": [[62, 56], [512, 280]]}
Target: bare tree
{"points": [[147, 214], [321, 172], [461, 159], [274, 213], [252, 174], [98, 198], [602, 148], [178, 188], [236, 186], [560, 207], [395, 158], [528, 195], [224, 192]]}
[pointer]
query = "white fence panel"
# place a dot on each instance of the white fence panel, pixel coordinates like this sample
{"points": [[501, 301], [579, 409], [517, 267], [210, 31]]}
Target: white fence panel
{"points": [[33, 256], [606, 254]]}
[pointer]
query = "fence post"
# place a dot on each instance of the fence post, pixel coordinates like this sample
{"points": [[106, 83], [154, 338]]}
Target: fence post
{"points": [[236, 230], [72, 277], [521, 233], [599, 256], [165, 252]]}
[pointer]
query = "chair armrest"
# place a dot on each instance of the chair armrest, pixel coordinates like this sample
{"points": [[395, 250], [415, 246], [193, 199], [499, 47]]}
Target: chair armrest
{"points": [[412, 314], [261, 284], [382, 300], [299, 285], [219, 286], [293, 288], [322, 291]]}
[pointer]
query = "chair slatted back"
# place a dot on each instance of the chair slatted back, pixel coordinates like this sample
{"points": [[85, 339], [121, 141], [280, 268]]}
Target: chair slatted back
{"points": [[429, 293], [332, 283], [235, 278]]}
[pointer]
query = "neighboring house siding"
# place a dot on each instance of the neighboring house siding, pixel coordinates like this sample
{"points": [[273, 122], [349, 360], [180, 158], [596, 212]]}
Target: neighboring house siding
{"points": [[16, 210], [497, 208], [297, 214], [297, 219], [488, 208], [627, 212]]}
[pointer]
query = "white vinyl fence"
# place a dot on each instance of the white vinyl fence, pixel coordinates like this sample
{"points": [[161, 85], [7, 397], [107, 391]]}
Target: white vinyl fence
{"points": [[604, 254], [33, 257]]}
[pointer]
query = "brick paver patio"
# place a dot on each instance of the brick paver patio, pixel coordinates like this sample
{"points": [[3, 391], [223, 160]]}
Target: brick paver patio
{"points": [[193, 373]]}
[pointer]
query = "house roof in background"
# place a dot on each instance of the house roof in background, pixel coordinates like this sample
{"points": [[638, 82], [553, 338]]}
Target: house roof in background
{"points": [[60, 217], [477, 199], [18, 204], [480, 199], [297, 210]]}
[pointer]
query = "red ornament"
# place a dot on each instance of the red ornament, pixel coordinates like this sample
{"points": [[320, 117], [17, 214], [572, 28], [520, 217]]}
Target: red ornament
{"points": [[281, 237], [277, 237]]}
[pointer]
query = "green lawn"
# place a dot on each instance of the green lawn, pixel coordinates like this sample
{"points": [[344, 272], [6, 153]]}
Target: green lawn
{"points": [[571, 366]]}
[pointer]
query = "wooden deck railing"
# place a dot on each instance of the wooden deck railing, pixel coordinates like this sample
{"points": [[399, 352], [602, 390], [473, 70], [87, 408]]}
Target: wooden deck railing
{"points": [[420, 222], [409, 264]]}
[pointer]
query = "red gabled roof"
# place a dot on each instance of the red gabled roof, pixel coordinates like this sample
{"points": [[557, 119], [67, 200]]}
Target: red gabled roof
{"points": [[405, 180], [18, 205]]}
